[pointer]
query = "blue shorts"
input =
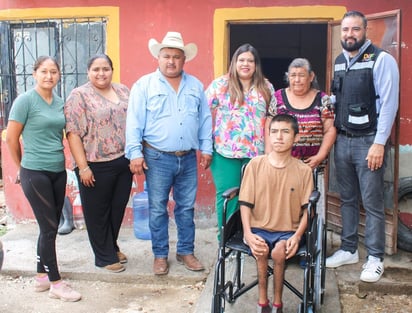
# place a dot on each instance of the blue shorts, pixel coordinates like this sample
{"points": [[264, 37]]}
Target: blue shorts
{"points": [[271, 238]]}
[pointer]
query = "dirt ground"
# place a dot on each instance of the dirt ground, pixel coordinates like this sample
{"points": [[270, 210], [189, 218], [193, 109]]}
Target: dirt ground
{"points": [[17, 296], [375, 303]]}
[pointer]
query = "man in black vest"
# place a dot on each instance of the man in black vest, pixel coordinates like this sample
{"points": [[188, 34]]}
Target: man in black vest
{"points": [[366, 86]]}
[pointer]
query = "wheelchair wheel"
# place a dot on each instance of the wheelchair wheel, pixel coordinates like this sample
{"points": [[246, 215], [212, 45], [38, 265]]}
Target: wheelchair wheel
{"points": [[234, 273], [302, 309], [320, 269], [218, 301], [218, 305], [231, 266]]}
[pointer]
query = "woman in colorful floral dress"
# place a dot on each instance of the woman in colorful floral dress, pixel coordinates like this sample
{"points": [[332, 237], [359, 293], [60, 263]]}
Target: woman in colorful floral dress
{"points": [[239, 102]]}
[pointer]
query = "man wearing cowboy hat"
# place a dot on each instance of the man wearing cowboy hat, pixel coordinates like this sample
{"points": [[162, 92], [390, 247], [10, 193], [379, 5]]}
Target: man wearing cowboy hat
{"points": [[168, 119]]}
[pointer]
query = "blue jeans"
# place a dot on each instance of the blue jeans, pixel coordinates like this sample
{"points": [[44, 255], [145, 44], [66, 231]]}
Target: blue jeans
{"points": [[166, 172], [357, 182]]}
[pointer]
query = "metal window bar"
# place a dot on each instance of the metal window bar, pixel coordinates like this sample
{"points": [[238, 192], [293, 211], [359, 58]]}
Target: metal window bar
{"points": [[70, 40]]}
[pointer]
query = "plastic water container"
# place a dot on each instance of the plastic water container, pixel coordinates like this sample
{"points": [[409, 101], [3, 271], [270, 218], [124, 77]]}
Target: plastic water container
{"points": [[141, 214]]}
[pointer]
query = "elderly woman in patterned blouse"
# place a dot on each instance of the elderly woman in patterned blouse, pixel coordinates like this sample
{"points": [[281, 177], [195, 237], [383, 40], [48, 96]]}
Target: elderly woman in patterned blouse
{"points": [[312, 108]]}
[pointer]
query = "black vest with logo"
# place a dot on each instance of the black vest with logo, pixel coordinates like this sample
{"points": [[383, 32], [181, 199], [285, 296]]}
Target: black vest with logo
{"points": [[355, 107]]}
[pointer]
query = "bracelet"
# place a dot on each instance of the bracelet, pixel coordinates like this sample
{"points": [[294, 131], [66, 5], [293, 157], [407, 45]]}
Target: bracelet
{"points": [[84, 170]]}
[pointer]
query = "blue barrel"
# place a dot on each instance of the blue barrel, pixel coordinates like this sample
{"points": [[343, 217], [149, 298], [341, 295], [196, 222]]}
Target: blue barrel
{"points": [[141, 214]]}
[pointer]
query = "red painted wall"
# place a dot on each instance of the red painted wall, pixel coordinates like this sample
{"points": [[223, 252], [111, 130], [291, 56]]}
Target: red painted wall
{"points": [[17, 203], [144, 19], [194, 19]]}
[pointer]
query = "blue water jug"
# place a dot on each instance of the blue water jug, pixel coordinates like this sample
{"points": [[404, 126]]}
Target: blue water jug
{"points": [[141, 214]]}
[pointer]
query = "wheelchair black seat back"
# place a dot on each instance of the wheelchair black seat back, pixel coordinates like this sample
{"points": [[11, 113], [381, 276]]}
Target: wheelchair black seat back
{"points": [[229, 280]]}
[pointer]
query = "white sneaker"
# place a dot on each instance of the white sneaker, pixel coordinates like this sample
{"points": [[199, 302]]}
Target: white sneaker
{"points": [[64, 292], [372, 270], [342, 257]]}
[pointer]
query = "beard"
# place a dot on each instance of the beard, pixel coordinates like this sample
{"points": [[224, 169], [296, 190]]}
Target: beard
{"points": [[350, 47]]}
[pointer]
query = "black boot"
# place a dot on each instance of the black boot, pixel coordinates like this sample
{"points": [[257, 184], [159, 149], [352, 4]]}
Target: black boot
{"points": [[66, 224]]}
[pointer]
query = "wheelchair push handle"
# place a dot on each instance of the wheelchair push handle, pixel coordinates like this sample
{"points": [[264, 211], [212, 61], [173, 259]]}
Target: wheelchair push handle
{"points": [[314, 197], [230, 193]]}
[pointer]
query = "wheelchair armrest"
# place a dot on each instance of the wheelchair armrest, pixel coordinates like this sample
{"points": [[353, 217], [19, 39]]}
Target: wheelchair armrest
{"points": [[230, 193], [314, 197]]}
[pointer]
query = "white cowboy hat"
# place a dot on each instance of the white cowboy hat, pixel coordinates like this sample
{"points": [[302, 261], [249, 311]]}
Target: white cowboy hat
{"points": [[173, 40]]}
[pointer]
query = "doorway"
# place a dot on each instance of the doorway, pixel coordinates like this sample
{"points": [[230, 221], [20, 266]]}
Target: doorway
{"points": [[279, 43]]}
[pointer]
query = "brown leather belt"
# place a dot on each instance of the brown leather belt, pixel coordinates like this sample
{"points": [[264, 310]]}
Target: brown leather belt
{"points": [[175, 153]]}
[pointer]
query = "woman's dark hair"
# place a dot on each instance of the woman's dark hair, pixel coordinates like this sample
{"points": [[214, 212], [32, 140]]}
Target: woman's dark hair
{"points": [[288, 119], [99, 56], [41, 59], [235, 87]]}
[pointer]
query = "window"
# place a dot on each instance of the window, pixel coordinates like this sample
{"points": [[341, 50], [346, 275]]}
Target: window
{"points": [[70, 41]]}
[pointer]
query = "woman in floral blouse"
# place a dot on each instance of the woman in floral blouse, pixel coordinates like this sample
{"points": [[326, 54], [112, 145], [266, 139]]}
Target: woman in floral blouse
{"points": [[95, 126], [239, 102]]}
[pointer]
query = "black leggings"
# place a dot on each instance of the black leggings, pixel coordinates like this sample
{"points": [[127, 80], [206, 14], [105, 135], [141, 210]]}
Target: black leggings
{"points": [[45, 192]]}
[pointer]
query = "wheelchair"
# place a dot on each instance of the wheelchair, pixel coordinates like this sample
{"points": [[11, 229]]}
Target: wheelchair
{"points": [[229, 282]]}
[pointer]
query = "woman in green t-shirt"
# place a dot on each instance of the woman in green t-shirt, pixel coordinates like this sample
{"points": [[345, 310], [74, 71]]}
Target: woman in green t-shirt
{"points": [[37, 115]]}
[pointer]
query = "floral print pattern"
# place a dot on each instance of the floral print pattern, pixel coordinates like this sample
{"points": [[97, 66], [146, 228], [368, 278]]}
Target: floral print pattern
{"points": [[99, 122], [238, 130]]}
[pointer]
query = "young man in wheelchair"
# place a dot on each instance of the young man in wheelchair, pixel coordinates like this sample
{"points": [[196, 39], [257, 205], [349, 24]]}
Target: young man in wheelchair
{"points": [[273, 198]]}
